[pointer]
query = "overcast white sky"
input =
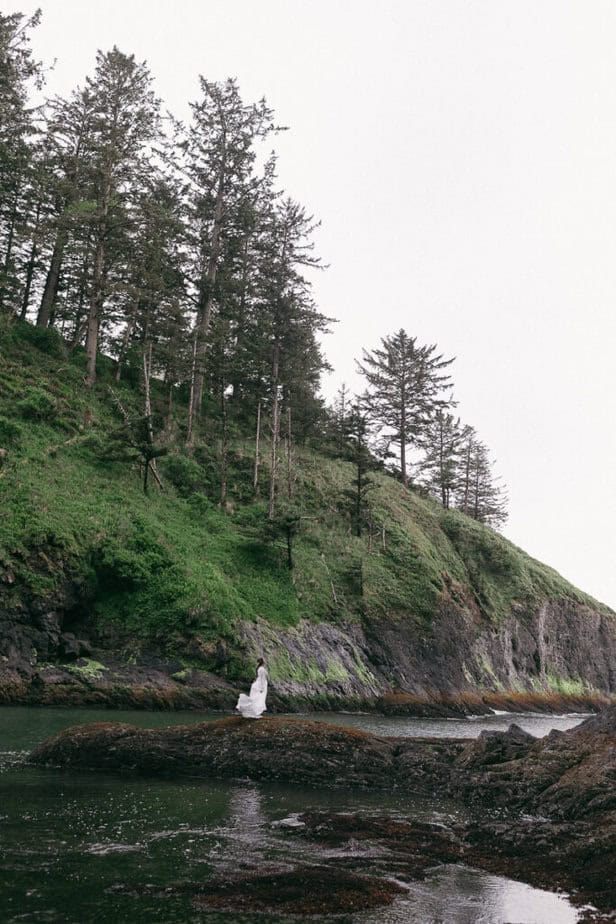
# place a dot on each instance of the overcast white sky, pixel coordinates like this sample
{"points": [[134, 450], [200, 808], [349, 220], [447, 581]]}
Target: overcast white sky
{"points": [[461, 155]]}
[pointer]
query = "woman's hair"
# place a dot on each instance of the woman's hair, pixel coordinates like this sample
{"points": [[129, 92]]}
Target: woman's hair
{"points": [[260, 662]]}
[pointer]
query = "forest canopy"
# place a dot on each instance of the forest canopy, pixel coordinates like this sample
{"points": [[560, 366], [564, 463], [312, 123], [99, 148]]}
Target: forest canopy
{"points": [[170, 250]]}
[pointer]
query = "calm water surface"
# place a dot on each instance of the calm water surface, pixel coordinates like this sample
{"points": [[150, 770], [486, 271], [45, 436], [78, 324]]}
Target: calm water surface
{"points": [[70, 841]]}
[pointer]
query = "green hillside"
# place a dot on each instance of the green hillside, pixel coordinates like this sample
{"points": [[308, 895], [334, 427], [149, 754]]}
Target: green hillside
{"points": [[77, 530]]}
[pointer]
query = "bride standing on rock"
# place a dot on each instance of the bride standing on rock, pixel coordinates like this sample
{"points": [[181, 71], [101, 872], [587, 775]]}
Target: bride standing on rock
{"points": [[253, 706]]}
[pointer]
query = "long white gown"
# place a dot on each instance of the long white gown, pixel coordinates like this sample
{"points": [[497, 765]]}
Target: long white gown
{"points": [[253, 705]]}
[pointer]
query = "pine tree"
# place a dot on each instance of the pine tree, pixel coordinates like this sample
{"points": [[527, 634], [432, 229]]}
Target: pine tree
{"points": [[17, 128], [287, 319], [358, 452], [480, 495], [219, 151], [338, 419], [124, 123], [406, 386], [442, 442], [68, 125], [152, 307]]}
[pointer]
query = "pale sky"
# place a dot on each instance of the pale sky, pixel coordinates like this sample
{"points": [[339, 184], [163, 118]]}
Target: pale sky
{"points": [[461, 155]]}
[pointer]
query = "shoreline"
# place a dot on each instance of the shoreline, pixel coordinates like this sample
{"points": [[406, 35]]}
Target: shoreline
{"points": [[86, 682]]}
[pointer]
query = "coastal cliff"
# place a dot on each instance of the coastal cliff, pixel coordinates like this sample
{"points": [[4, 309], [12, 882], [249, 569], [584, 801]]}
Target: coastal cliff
{"points": [[111, 596]]}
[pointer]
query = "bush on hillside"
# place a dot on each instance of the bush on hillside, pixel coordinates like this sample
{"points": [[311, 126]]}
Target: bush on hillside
{"points": [[185, 474], [140, 583], [37, 405], [10, 432], [45, 339]]}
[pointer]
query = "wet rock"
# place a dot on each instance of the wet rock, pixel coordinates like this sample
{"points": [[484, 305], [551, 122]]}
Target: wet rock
{"points": [[577, 857], [496, 747], [555, 795], [110, 682], [565, 774], [547, 854], [304, 890], [413, 847], [264, 749], [425, 765], [71, 648]]}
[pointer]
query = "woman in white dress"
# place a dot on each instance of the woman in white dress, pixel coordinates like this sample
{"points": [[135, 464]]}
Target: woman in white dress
{"points": [[253, 705]]}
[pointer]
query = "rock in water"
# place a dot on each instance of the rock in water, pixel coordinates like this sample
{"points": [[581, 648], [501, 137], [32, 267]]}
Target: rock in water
{"points": [[269, 749]]}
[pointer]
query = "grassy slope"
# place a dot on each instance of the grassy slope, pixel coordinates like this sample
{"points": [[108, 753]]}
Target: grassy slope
{"points": [[168, 562]]}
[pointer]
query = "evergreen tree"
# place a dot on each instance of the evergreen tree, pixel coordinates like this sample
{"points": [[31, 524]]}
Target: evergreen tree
{"points": [[338, 420], [442, 441], [480, 495], [357, 428], [287, 319], [219, 154], [68, 126], [17, 71], [151, 308], [124, 124], [406, 383]]}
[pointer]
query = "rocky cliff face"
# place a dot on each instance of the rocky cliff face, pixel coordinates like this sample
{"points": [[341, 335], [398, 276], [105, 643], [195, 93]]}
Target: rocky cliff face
{"points": [[555, 646], [556, 649]]}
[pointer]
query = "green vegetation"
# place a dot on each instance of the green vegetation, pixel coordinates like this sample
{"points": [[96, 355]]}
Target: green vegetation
{"points": [[88, 670], [174, 561], [567, 685]]}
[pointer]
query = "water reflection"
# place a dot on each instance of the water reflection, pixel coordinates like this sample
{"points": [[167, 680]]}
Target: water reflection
{"points": [[460, 895]]}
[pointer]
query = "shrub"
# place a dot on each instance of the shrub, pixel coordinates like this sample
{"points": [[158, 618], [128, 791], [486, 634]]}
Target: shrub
{"points": [[10, 432], [185, 475], [37, 405], [139, 584], [201, 505], [45, 339]]}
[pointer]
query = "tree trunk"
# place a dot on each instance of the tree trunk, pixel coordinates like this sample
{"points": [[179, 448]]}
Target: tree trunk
{"points": [[467, 479], [289, 549], [169, 406], [52, 280], [31, 263], [96, 301], [128, 331], [9, 249], [191, 400], [403, 474], [225, 449], [98, 285], [275, 430], [255, 481], [289, 458], [206, 296], [444, 488], [147, 374]]}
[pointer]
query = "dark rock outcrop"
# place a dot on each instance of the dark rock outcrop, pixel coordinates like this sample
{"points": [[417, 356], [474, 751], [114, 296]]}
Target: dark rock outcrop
{"points": [[546, 655], [267, 749], [567, 775], [305, 890]]}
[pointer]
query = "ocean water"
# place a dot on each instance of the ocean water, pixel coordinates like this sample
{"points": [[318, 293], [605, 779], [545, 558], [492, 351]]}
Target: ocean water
{"points": [[77, 848]]}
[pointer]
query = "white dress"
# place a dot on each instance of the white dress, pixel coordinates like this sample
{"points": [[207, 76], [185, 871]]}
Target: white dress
{"points": [[252, 706]]}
